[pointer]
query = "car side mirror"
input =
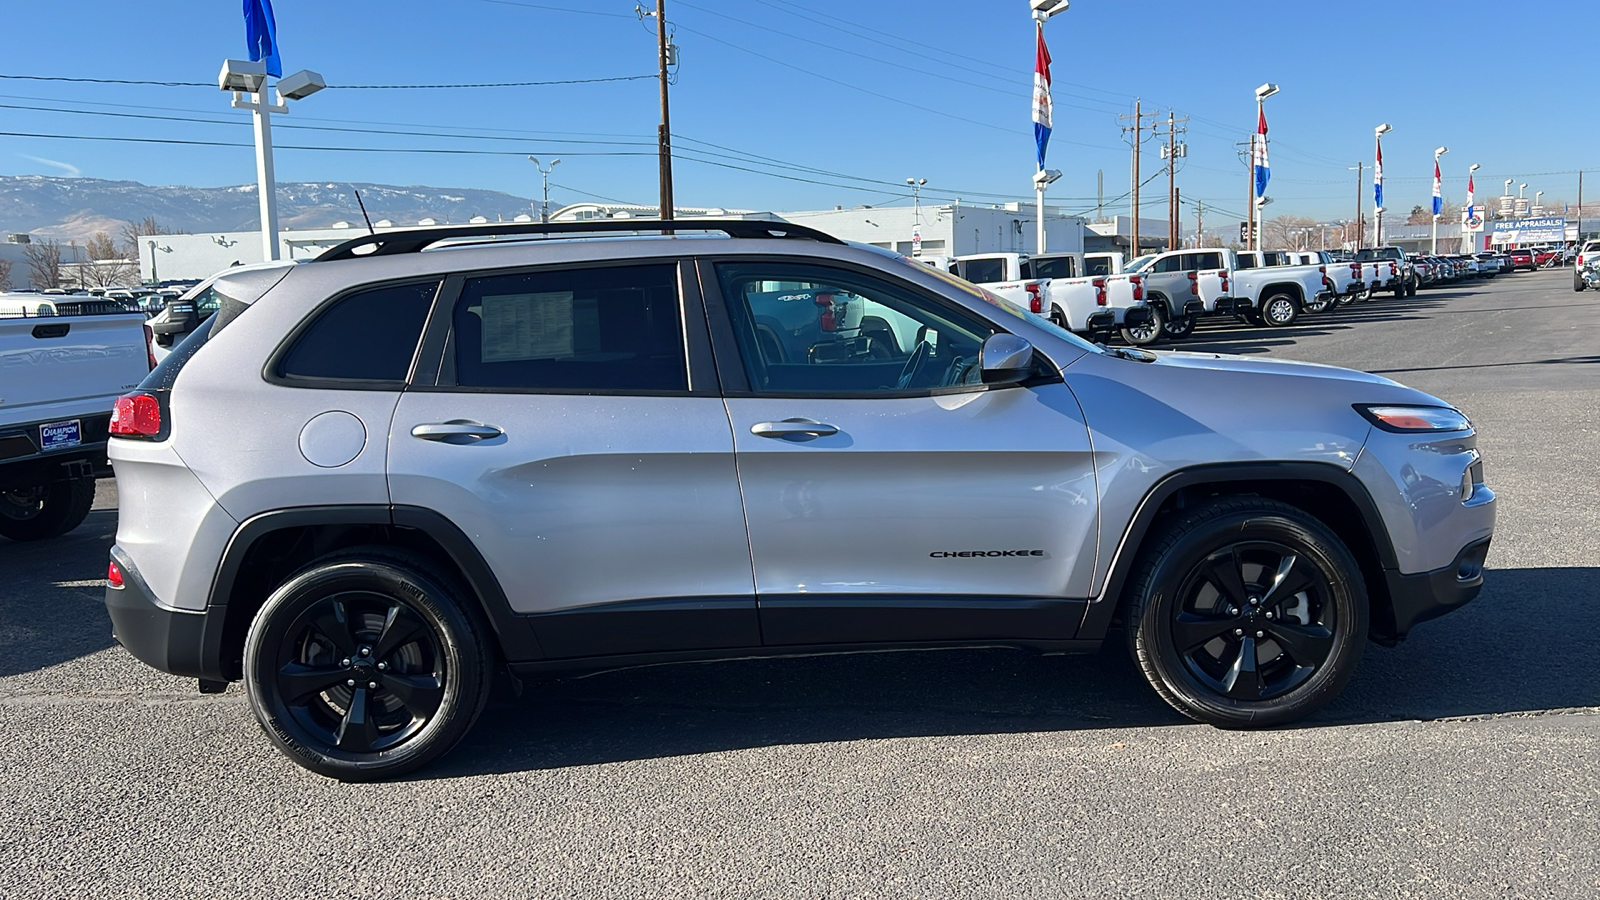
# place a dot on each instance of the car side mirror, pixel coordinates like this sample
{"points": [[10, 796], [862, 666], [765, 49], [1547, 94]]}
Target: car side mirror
{"points": [[1005, 359]]}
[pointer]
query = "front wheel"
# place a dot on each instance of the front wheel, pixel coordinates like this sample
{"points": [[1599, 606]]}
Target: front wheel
{"points": [[1280, 311], [366, 665], [1247, 613], [1149, 332], [45, 511], [1411, 289]]}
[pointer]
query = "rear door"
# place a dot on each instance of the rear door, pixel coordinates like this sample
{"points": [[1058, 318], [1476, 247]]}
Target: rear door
{"points": [[890, 496], [569, 436]]}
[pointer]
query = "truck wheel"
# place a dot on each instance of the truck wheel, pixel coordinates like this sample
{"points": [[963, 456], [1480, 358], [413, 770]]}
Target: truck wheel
{"points": [[1179, 328], [1319, 304], [46, 511], [366, 665], [1149, 332], [1411, 289], [1280, 311], [1577, 282], [1247, 613], [1059, 319]]}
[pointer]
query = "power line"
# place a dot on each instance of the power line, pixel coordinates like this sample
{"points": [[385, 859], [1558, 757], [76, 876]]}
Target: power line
{"points": [[195, 143], [347, 87]]}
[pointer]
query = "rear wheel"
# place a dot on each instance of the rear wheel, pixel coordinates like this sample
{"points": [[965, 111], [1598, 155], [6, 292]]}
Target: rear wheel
{"points": [[1321, 303], [1147, 333], [1577, 282], [366, 665], [45, 511], [1280, 310], [1247, 613], [1180, 328], [1411, 288]]}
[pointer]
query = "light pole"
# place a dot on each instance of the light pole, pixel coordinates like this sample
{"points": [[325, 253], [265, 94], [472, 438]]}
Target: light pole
{"points": [[1520, 189], [916, 215], [1042, 11], [1377, 186], [1472, 211], [154, 278], [1438, 201], [240, 77], [544, 172], [1258, 154], [1538, 207]]}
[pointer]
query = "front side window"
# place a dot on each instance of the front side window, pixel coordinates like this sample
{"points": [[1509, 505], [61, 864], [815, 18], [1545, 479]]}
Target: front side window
{"points": [[815, 330], [369, 335], [1173, 263], [597, 329]]}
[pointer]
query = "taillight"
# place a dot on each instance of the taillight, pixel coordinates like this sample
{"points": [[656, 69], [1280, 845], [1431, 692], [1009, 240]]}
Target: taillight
{"points": [[828, 321], [1099, 292], [136, 416], [150, 346], [1194, 283], [1138, 287], [1394, 269], [1035, 302], [1224, 277], [1355, 270], [113, 575]]}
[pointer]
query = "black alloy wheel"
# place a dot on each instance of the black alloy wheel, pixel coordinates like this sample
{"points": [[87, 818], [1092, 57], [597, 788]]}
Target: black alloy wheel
{"points": [[364, 666], [1248, 613], [1180, 327], [1149, 332]]}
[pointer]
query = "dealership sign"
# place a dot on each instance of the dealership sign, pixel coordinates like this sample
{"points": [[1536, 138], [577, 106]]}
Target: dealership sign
{"points": [[1543, 230]]}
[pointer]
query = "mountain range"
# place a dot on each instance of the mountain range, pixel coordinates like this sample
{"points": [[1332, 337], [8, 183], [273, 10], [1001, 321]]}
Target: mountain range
{"points": [[73, 209]]}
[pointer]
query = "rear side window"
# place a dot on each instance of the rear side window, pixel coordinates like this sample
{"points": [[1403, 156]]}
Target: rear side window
{"points": [[370, 335], [985, 271], [586, 330]]}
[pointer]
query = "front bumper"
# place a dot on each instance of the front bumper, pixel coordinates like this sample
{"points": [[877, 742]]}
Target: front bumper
{"points": [[1417, 598], [165, 638]]}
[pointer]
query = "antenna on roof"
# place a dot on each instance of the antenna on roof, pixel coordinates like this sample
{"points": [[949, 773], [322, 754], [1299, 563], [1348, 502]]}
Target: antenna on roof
{"points": [[370, 229]]}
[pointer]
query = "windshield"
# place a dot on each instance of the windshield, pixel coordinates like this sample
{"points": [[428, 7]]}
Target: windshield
{"points": [[1138, 264], [1037, 321]]}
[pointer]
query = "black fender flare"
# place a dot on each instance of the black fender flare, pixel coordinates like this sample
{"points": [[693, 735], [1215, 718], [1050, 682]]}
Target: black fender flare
{"points": [[1102, 608]]}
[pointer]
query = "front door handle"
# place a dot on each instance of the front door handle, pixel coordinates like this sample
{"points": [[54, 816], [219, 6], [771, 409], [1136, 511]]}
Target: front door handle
{"points": [[456, 431], [793, 429]]}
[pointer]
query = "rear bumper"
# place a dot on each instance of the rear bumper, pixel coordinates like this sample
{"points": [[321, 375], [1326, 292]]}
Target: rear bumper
{"points": [[23, 464], [165, 638], [1418, 598]]}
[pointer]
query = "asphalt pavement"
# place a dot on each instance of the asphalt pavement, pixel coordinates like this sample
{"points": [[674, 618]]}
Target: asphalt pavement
{"points": [[1459, 764]]}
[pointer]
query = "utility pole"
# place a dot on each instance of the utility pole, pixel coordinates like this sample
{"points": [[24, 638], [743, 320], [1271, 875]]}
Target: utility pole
{"points": [[1138, 117], [1580, 211], [1177, 220], [1199, 223], [1172, 152], [664, 56], [1361, 222]]}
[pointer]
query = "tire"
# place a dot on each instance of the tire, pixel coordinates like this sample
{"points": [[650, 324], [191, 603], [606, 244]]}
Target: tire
{"points": [[1188, 616], [1179, 328], [1280, 311], [1150, 332], [1319, 305], [1411, 289], [334, 623], [47, 511], [1577, 282], [1059, 319]]}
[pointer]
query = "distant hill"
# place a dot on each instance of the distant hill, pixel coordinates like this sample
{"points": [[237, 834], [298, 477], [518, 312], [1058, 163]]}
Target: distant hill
{"points": [[76, 208]]}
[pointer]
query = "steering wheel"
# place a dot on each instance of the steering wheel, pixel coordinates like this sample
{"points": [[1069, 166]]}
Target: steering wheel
{"points": [[913, 367]]}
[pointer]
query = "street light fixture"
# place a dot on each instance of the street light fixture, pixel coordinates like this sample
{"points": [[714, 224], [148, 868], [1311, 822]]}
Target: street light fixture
{"points": [[544, 172], [241, 77], [1044, 9], [1377, 179], [1253, 238], [1436, 154], [1472, 210]]}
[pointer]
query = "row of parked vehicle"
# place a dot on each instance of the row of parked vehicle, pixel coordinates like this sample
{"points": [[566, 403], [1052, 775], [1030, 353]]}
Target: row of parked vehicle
{"points": [[1162, 296]]}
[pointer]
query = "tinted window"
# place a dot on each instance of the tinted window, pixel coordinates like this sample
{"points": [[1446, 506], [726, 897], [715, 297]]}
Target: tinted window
{"points": [[1027, 270], [1059, 267], [1097, 265], [1208, 260], [815, 330], [985, 271], [611, 329], [369, 336], [1172, 263]]}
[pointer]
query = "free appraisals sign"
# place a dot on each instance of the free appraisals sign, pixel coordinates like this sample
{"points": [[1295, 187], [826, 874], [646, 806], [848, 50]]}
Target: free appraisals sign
{"points": [[1544, 230]]}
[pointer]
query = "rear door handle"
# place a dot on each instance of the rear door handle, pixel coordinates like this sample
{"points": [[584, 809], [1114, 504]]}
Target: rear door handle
{"points": [[793, 429], [457, 431]]}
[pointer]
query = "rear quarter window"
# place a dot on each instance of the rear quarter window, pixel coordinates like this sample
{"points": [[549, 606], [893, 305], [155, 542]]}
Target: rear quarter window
{"points": [[370, 336]]}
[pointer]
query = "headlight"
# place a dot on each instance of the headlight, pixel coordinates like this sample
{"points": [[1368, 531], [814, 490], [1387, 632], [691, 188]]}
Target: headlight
{"points": [[1415, 419]]}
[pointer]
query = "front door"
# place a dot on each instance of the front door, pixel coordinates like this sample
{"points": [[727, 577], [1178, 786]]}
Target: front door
{"points": [[565, 439], [889, 495]]}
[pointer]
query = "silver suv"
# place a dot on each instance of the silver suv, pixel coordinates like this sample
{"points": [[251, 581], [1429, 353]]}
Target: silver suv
{"points": [[370, 485]]}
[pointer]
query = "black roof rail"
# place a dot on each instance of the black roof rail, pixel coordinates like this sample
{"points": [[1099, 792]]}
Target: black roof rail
{"points": [[415, 240]]}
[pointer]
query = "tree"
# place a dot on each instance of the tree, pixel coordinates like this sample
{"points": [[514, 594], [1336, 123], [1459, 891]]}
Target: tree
{"points": [[132, 232], [1286, 232], [5, 274], [100, 246], [1419, 216], [44, 264]]}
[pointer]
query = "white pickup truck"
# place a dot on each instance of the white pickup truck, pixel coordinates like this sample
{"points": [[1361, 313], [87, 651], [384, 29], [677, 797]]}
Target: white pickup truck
{"points": [[1054, 285], [1183, 285], [62, 368]]}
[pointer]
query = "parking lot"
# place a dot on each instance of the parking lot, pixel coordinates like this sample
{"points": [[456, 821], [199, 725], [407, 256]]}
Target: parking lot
{"points": [[1458, 764]]}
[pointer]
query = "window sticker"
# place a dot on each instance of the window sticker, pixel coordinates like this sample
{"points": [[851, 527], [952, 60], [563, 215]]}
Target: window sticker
{"points": [[527, 326]]}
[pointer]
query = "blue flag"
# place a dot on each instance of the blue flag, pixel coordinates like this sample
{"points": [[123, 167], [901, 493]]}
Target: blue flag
{"points": [[261, 34], [1041, 97]]}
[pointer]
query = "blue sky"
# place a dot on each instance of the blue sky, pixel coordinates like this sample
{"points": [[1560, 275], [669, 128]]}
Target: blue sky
{"points": [[854, 95]]}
